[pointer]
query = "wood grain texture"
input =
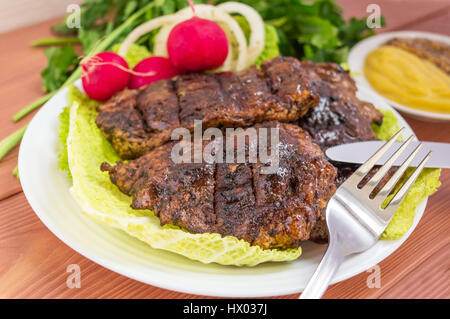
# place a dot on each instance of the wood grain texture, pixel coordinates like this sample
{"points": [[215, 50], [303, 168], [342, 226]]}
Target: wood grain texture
{"points": [[403, 14], [33, 261], [9, 184], [425, 281]]}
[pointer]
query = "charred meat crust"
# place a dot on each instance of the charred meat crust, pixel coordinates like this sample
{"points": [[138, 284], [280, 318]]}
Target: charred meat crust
{"points": [[268, 210], [339, 118], [139, 120]]}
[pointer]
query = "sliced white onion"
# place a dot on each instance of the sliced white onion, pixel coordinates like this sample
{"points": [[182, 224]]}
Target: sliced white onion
{"points": [[256, 24], [227, 65], [144, 29], [160, 45], [202, 11]]}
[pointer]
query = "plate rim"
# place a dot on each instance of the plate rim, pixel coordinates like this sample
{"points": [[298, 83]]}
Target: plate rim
{"points": [[173, 284], [359, 52]]}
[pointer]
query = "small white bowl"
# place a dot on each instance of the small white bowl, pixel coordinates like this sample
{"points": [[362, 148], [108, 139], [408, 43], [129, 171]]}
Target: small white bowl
{"points": [[358, 55]]}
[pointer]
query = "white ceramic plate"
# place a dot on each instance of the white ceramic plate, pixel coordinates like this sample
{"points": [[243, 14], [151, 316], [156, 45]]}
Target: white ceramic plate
{"points": [[47, 190], [358, 54]]}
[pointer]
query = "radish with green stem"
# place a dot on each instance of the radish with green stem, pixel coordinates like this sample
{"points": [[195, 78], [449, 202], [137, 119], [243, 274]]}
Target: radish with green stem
{"points": [[104, 74], [103, 45], [197, 45], [160, 66], [7, 144]]}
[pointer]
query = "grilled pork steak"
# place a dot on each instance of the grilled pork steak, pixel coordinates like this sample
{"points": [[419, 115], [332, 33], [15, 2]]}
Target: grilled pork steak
{"points": [[339, 118], [278, 210], [139, 120], [270, 210], [433, 51]]}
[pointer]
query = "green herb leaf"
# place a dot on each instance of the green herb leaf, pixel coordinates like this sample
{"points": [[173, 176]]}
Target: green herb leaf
{"points": [[61, 62], [89, 38], [311, 30], [63, 133], [318, 32], [62, 29]]}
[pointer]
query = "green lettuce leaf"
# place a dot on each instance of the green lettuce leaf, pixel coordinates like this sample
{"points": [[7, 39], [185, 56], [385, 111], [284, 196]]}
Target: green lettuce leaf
{"points": [[61, 62], [102, 201], [63, 130], [271, 40], [426, 184], [270, 45], [389, 126], [135, 54]]}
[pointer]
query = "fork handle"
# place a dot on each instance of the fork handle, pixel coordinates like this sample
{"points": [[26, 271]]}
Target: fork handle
{"points": [[321, 278]]}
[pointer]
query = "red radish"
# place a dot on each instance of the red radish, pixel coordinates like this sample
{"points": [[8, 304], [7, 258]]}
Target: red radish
{"points": [[162, 68], [104, 75], [197, 45]]}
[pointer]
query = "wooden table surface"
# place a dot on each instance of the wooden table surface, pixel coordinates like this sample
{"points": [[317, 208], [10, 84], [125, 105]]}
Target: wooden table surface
{"points": [[33, 261]]}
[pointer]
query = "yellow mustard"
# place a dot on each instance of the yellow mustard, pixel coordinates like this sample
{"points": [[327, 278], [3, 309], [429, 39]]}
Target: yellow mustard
{"points": [[407, 79]]}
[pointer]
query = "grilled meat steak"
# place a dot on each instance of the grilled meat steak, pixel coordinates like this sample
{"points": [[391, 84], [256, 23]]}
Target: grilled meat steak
{"points": [[273, 211], [139, 120], [339, 118], [433, 51], [270, 210]]}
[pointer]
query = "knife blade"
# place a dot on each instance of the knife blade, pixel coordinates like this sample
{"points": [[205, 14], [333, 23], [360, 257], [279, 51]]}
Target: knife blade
{"points": [[360, 152]]}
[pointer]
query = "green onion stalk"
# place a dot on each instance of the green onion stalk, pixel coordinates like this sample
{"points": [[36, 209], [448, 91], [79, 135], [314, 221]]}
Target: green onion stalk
{"points": [[55, 41], [9, 142], [12, 140]]}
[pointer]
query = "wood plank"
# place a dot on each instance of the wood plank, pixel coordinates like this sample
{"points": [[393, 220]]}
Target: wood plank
{"points": [[20, 84], [399, 14], [430, 280], [440, 24], [429, 131], [437, 22], [21, 65], [9, 184]]}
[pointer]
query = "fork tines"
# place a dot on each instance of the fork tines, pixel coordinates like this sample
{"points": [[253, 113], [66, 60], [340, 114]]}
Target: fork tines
{"points": [[386, 190]]}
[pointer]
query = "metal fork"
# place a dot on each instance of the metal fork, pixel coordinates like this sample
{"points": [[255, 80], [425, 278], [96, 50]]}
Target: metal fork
{"points": [[355, 221]]}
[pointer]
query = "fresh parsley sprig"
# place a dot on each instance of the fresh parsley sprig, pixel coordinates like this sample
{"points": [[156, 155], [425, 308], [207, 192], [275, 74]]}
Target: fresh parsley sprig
{"points": [[312, 30]]}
